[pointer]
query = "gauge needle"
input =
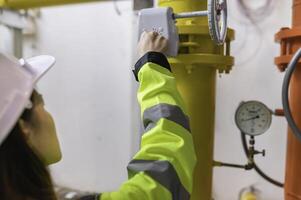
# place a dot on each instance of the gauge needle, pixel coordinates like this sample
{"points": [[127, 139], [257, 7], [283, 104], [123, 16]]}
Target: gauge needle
{"points": [[256, 117]]}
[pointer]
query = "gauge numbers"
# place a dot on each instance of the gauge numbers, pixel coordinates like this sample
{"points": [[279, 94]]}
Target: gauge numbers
{"points": [[253, 118]]}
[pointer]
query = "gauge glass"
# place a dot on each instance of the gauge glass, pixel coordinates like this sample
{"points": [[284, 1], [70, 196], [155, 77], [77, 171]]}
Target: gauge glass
{"points": [[253, 118]]}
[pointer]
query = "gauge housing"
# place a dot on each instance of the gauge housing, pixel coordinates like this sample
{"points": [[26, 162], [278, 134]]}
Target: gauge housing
{"points": [[253, 118]]}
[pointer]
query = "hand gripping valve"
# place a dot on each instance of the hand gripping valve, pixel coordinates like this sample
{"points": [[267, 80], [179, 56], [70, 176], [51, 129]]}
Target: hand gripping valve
{"points": [[163, 21]]}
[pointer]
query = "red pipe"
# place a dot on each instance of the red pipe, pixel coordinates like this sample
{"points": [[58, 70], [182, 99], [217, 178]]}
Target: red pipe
{"points": [[290, 40]]}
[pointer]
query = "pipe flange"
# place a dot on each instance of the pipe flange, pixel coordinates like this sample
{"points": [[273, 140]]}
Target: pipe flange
{"points": [[217, 20]]}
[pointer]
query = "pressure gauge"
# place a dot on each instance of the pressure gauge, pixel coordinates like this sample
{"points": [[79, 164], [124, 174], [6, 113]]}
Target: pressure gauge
{"points": [[253, 118]]}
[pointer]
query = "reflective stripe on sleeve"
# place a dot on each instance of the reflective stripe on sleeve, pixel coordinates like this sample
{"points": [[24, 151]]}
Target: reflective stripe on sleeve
{"points": [[173, 113], [164, 173]]}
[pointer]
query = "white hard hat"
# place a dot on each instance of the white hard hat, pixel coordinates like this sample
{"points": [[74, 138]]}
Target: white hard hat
{"points": [[17, 81]]}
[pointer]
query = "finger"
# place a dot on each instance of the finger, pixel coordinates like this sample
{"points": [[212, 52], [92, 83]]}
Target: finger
{"points": [[161, 37], [164, 44], [144, 34], [141, 38], [156, 34], [153, 34]]}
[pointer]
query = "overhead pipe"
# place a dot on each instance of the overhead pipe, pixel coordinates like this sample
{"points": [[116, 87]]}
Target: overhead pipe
{"points": [[27, 4]]}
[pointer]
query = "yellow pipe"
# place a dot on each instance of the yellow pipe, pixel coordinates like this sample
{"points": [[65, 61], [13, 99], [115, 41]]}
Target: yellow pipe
{"points": [[249, 196], [26, 4], [195, 70]]}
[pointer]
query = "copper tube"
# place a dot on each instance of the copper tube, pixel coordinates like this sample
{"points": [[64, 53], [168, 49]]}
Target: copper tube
{"points": [[292, 38], [293, 159], [296, 13], [279, 112]]}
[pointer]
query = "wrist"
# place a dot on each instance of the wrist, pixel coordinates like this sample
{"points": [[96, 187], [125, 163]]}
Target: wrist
{"points": [[153, 57]]}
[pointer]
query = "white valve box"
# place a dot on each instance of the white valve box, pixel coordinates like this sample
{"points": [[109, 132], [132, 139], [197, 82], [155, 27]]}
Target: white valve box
{"points": [[162, 21]]}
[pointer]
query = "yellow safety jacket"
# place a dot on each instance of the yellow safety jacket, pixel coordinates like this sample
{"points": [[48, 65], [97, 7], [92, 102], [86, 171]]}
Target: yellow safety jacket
{"points": [[163, 168]]}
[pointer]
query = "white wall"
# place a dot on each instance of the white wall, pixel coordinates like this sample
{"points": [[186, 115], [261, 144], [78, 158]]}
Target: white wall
{"points": [[254, 77], [89, 93]]}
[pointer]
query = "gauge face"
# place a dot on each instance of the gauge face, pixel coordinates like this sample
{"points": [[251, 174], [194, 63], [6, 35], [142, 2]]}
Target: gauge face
{"points": [[253, 118]]}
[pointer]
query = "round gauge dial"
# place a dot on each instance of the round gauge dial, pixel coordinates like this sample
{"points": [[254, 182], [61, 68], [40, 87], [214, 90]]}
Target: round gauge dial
{"points": [[253, 118]]}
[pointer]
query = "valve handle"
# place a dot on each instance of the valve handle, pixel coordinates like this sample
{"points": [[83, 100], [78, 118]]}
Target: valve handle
{"points": [[263, 152], [218, 20], [217, 14]]}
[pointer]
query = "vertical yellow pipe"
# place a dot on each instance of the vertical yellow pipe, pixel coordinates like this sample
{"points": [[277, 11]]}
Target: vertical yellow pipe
{"points": [[200, 83], [195, 70]]}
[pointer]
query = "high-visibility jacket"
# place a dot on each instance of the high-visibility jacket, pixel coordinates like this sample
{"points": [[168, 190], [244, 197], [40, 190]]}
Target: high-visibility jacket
{"points": [[163, 168]]}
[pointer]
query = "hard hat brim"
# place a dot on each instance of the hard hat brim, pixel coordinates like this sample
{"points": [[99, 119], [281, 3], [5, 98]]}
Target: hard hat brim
{"points": [[18, 79], [38, 65]]}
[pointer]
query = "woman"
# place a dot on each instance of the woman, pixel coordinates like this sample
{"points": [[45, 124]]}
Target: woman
{"points": [[32, 143], [162, 169]]}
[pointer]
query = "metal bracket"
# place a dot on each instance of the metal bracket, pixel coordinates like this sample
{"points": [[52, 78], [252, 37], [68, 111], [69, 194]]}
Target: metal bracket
{"points": [[12, 19], [16, 21], [141, 4]]}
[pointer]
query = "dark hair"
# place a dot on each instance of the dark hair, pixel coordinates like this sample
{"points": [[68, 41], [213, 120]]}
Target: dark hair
{"points": [[23, 176]]}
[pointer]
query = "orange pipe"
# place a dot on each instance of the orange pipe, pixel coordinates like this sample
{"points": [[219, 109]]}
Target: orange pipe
{"points": [[290, 40]]}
